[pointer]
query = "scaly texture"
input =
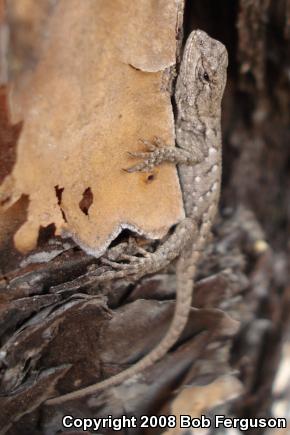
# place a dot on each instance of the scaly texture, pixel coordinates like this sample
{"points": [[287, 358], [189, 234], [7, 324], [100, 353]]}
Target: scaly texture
{"points": [[199, 90]]}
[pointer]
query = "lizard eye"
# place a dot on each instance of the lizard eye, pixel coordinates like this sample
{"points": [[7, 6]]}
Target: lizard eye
{"points": [[203, 75], [206, 76]]}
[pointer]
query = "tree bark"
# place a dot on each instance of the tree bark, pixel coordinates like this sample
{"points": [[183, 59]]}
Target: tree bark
{"points": [[60, 331]]}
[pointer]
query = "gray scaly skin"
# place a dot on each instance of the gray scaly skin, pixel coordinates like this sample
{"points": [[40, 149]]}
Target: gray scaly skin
{"points": [[199, 90]]}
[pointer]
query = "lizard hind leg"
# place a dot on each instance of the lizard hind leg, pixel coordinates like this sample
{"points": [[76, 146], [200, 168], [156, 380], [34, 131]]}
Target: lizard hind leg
{"points": [[151, 262], [135, 267], [183, 236]]}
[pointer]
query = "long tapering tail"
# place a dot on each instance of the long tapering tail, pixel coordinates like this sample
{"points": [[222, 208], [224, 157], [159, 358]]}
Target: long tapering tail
{"points": [[186, 266]]}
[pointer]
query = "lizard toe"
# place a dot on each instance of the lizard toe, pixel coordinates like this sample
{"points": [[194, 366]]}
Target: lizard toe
{"points": [[145, 166]]}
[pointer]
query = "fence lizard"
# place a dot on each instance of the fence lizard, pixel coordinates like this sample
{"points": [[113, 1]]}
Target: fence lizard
{"points": [[198, 94]]}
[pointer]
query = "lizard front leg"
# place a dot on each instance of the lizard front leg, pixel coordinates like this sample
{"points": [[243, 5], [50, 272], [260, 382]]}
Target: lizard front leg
{"points": [[158, 152], [153, 262]]}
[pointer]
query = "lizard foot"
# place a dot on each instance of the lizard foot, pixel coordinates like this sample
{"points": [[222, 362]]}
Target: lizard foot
{"points": [[127, 258], [150, 262], [133, 264], [158, 152], [116, 270], [125, 250]]}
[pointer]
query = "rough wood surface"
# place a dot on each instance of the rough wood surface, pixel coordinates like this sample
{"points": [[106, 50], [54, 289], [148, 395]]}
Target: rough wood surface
{"points": [[59, 330]]}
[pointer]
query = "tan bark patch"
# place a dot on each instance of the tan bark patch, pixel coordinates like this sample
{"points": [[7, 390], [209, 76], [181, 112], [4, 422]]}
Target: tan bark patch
{"points": [[98, 88]]}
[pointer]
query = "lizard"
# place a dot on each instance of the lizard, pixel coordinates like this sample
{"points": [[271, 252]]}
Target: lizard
{"points": [[198, 94]]}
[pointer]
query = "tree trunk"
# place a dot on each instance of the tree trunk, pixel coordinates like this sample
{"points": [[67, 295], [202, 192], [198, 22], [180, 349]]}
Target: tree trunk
{"points": [[61, 331]]}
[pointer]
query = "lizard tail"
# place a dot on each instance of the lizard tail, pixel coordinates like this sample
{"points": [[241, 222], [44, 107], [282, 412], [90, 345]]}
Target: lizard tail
{"points": [[186, 267]]}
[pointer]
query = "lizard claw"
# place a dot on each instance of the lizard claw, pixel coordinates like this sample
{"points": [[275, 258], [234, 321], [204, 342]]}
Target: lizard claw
{"points": [[158, 142], [137, 154], [133, 263], [114, 264], [133, 259], [145, 166], [151, 146]]}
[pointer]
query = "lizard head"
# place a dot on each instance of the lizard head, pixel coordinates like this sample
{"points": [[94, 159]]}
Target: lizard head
{"points": [[203, 73]]}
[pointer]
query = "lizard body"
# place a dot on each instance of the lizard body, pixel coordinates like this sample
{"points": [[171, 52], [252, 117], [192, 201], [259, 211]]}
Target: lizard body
{"points": [[198, 94]]}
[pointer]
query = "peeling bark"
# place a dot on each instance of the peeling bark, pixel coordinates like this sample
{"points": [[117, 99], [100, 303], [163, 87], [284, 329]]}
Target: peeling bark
{"points": [[60, 330]]}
